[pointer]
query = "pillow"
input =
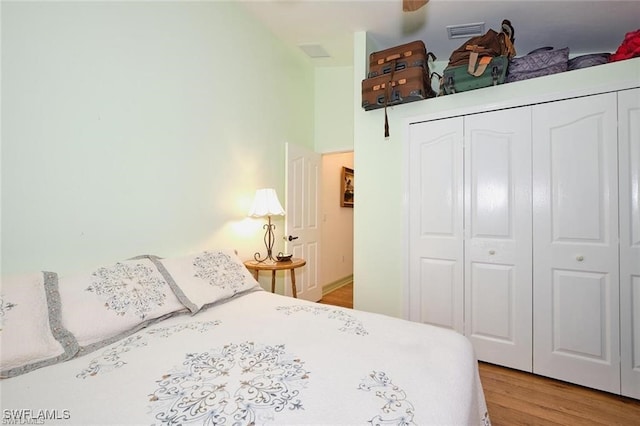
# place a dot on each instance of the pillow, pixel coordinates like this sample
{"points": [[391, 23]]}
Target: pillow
{"points": [[30, 328], [207, 277], [111, 302]]}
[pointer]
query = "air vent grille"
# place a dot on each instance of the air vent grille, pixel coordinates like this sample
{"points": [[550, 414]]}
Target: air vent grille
{"points": [[314, 50], [465, 30]]}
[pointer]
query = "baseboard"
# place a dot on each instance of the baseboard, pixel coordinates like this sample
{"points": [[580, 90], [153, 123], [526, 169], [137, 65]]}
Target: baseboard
{"points": [[337, 284]]}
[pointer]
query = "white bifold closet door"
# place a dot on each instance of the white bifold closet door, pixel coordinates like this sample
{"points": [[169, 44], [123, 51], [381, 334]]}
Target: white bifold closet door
{"points": [[629, 163], [497, 253], [436, 292], [575, 240]]}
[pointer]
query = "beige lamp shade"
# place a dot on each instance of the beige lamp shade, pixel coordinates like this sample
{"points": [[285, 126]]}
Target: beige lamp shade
{"points": [[266, 204]]}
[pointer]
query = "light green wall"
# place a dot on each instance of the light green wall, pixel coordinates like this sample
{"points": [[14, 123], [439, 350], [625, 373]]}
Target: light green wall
{"points": [[378, 214], [141, 127], [333, 109]]}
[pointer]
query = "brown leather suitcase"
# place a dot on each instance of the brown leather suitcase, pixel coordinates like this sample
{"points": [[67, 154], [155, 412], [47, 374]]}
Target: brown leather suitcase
{"points": [[408, 85], [405, 56]]}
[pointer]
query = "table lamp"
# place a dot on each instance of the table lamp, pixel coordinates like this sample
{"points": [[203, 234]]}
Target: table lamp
{"points": [[266, 204]]}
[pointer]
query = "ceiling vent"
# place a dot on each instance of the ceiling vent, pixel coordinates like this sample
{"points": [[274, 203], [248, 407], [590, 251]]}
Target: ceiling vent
{"points": [[465, 30], [314, 50]]}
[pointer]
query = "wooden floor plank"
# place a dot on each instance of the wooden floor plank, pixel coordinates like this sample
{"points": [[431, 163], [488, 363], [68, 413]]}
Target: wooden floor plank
{"points": [[342, 296], [528, 396]]}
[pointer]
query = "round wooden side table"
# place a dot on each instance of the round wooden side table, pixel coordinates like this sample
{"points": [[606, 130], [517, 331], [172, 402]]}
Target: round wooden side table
{"points": [[269, 265]]}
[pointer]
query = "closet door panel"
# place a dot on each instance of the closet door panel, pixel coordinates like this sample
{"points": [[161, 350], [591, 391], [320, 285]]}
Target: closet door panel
{"points": [[575, 228], [574, 333], [498, 236], [435, 223], [438, 291], [629, 161], [570, 200], [492, 286]]}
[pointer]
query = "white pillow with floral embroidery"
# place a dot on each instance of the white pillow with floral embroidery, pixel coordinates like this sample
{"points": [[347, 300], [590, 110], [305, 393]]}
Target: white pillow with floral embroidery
{"points": [[31, 333], [208, 277], [110, 302]]}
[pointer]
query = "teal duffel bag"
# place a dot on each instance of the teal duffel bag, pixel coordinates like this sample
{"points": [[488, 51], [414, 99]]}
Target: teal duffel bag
{"points": [[459, 79]]}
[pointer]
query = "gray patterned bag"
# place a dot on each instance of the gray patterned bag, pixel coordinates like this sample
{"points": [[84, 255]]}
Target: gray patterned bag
{"points": [[539, 62], [589, 60]]}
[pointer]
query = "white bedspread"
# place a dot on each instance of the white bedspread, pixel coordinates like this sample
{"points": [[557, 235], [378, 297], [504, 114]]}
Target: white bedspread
{"points": [[264, 359]]}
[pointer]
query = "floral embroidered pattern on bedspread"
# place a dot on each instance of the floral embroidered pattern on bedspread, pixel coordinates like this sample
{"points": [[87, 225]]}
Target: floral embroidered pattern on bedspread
{"points": [[110, 359], [129, 287], [236, 384], [397, 410], [4, 308], [219, 270], [351, 324]]}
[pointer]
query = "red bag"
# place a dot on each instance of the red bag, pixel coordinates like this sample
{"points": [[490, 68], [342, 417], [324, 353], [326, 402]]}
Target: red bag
{"points": [[630, 47]]}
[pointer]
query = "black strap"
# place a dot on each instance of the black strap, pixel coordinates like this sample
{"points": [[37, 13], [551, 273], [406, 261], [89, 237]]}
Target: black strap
{"points": [[387, 94]]}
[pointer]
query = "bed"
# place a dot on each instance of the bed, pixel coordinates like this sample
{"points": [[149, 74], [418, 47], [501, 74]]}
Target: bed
{"points": [[195, 340]]}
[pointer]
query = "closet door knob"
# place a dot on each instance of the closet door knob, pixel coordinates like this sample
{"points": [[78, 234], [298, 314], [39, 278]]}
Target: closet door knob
{"points": [[580, 258], [492, 252]]}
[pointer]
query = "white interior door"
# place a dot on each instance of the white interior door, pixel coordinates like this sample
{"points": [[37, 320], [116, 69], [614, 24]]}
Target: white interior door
{"points": [[302, 219], [497, 250], [629, 163], [575, 235], [436, 292]]}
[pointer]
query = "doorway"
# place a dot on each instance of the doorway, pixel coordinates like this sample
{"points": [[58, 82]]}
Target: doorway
{"points": [[336, 251]]}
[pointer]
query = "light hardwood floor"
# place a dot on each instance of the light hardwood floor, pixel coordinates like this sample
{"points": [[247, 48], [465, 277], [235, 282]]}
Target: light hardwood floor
{"points": [[517, 398], [342, 296]]}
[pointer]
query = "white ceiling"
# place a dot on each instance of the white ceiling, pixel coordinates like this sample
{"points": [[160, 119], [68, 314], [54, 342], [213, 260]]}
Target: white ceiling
{"points": [[583, 26]]}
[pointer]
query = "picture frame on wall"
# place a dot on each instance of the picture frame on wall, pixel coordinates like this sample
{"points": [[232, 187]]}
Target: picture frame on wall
{"points": [[347, 187]]}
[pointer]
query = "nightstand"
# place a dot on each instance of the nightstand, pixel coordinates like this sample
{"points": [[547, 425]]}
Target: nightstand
{"points": [[269, 265]]}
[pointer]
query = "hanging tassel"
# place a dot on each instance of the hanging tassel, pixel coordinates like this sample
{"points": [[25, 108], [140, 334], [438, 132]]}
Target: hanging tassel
{"points": [[387, 95], [386, 123]]}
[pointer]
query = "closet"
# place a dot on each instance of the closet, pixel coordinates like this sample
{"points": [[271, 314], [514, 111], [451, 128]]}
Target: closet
{"points": [[524, 235]]}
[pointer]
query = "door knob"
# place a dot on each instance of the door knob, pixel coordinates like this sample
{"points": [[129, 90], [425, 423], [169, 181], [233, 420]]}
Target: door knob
{"points": [[291, 238], [579, 258]]}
